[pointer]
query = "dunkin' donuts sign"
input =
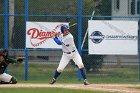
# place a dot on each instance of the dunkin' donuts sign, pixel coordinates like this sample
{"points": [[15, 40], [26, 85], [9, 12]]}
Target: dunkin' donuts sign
{"points": [[38, 34]]}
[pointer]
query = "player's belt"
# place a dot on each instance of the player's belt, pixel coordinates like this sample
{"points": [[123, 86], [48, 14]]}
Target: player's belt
{"points": [[69, 52]]}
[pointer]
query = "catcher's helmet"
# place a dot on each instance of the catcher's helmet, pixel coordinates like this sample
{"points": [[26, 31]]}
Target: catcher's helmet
{"points": [[64, 27]]}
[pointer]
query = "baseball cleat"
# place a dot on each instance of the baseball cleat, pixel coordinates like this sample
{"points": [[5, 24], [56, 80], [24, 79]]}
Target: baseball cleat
{"points": [[53, 81], [86, 82]]}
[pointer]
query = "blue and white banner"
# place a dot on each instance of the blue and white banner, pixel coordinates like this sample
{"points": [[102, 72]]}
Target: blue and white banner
{"points": [[113, 37], [38, 34]]}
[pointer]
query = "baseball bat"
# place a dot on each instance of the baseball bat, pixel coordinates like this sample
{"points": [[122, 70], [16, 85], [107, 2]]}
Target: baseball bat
{"points": [[72, 25], [69, 27]]}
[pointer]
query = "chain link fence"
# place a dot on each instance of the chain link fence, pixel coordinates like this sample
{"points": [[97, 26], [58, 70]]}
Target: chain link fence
{"points": [[40, 64]]}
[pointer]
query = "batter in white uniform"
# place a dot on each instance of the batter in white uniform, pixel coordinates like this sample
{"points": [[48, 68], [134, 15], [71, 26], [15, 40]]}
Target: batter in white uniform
{"points": [[69, 52]]}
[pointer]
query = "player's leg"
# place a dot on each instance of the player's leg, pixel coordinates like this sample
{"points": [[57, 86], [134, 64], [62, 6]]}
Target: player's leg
{"points": [[63, 63], [7, 79], [78, 61], [13, 80]]}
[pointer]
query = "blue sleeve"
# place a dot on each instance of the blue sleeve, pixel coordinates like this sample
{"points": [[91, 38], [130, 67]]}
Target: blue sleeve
{"points": [[57, 41]]}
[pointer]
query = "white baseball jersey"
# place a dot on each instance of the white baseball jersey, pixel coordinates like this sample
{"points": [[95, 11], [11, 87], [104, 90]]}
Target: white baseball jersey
{"points": [[68, 43], [69, 52]]}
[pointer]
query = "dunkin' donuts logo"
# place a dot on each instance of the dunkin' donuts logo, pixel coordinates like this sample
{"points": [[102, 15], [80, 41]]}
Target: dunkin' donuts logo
{"points": [[38, 37]]}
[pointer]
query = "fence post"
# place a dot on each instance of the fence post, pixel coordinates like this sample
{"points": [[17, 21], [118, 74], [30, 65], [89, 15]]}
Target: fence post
{"points": [[139, 48], [6, 26], [79, 31], [26, 50], [139, 39]]}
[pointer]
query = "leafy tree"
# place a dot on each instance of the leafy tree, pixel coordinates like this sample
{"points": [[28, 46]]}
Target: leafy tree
{"points": [[92, 62], [101, 8]]}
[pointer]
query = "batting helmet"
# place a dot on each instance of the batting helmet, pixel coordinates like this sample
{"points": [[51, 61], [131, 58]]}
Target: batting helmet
{"points": [[64, 27]]}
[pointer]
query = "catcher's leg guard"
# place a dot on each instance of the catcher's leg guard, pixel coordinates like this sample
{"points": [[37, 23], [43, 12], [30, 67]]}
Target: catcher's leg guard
{"points": [[13, 80]]}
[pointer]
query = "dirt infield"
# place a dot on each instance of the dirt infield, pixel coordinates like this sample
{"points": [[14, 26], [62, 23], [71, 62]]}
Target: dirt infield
{"points": [[119, 88]]}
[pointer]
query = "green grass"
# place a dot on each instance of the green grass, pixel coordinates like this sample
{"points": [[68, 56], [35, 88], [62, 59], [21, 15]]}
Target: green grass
{"points": [[46, 90], [43, 73]]}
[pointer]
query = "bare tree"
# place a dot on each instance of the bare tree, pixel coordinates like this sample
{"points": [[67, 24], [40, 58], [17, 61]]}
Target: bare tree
{"points": [[11, 20]]}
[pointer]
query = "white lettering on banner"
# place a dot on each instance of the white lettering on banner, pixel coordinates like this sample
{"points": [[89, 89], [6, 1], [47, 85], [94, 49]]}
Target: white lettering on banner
{"points": [[113, 37]]}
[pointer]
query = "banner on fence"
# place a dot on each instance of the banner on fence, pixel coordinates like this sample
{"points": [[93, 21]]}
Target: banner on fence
{"points": [[113, 37], [38, 34]]}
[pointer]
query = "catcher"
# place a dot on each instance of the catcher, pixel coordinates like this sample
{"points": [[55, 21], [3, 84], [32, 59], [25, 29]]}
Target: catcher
{"points": [[4, 62]]}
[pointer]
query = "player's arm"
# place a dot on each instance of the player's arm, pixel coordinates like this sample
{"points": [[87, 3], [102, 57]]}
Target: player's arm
{"points": [[57, 40], [11, 60]]}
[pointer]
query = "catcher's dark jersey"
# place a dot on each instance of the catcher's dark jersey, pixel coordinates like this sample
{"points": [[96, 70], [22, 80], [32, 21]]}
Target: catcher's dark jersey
{"points": [[4, 64]]}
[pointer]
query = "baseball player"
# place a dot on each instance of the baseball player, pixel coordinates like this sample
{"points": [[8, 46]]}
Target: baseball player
{"points": [[69, 52], [4, 62]]}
